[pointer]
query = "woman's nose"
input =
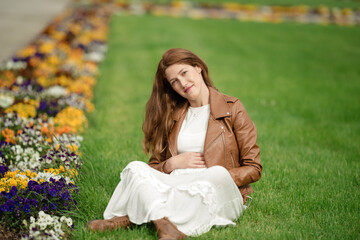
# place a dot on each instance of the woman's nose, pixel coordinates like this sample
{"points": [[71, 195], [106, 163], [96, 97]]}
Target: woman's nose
{"points": [[182, 82]]}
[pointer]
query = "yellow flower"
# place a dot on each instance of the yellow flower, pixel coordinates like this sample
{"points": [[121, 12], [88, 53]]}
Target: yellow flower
{"points": [[28, 51], [72, 148], [74, 172], [47, 47], [44, 81], [58, 35], [89, 106], [73, 118], [84, 39], [62, 169], [53, 60], [49, 170], [12, 182], [83, 85], [23, 110], [75, 28], [28, 173]]}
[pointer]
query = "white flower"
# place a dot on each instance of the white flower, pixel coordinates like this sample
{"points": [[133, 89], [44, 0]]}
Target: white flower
{"points": [[19, 80], [48, 220], [6, 101], [32, 225], [57, 228], [62, 219], [94, 56], [69, 222], [42, 214], [55, 91], [42, 226], [25, 222]]}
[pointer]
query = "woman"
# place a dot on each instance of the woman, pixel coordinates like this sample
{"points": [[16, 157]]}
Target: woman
{"points": [[204, 155]]}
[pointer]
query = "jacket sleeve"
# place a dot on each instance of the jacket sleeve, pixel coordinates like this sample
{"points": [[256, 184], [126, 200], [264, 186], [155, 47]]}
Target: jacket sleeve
{"points": [[246, 137], [158, 164]]}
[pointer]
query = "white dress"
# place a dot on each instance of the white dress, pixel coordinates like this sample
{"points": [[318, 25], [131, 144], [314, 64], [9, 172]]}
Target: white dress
{"points": [[193, 199]]}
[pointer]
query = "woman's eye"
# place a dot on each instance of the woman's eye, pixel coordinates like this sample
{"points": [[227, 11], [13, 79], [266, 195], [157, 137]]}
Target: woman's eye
{"points": [[173, 82], [184, 72]]}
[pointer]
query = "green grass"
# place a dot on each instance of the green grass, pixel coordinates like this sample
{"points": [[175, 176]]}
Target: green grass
{"points": [[300, 85], [316, 3]]}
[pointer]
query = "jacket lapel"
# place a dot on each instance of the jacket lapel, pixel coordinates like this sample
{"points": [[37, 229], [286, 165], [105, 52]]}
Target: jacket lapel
{"points": [[218, 109]]}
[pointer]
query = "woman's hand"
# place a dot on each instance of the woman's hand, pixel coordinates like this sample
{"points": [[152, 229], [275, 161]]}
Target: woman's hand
{"points": [[185, 160]]}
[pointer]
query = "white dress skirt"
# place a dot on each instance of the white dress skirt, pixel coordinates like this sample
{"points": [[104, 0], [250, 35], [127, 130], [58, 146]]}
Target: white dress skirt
{"points": [[193, 199]]}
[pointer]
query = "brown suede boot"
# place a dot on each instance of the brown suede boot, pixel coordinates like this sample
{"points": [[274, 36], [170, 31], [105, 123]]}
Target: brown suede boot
{"points": [[166, 230], [109, 224]]}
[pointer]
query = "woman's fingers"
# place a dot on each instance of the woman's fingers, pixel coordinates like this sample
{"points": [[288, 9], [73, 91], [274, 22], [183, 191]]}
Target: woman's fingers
{"points": [[199, 164], [191, 160]]}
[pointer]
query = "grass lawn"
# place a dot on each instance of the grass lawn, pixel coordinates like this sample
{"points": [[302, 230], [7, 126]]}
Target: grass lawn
{"points": [[300, 85]]}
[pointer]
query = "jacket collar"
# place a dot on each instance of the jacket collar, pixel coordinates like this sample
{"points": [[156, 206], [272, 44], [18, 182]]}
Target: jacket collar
{"points": [[218, 106]]}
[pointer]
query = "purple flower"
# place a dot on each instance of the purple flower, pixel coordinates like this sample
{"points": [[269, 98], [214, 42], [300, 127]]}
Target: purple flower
{"points": [[9, 195], [32, 184], [52, 192], [66, 196], [3, 168], [11, 205], [42, 105], [59, 185], [53, 206], [34, 202], [40, 55], [45, 207], [26, 208], [37, 189], [4, 208]]}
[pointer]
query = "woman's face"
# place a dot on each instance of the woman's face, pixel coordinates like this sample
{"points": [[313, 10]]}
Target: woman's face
{"points": [[188, 82]]}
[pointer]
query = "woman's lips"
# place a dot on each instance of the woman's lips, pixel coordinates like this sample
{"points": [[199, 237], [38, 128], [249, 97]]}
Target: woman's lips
{"points": [[188, 89]]}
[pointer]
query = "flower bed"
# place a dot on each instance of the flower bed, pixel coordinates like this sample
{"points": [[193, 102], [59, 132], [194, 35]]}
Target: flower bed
{"points": [[46, 89], [247, 12]]}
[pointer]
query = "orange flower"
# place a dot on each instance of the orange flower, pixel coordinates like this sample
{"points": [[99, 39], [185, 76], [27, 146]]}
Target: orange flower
{"points": [[46, 47], [9, 135], [62, 130], [44, 130], [34, 61], [28, 51], [8, 79]]}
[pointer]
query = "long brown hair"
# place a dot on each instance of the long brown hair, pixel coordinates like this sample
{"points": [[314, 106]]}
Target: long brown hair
{"points": [[164, 100]]}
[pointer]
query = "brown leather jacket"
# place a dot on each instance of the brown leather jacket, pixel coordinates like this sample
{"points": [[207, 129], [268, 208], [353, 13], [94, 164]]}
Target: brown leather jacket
{"points": [[230, 141]]}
